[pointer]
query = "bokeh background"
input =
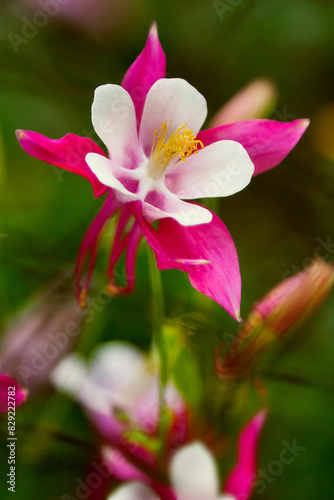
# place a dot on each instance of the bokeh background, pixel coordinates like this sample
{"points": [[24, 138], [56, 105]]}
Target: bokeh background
{"points": [[48, 74]]}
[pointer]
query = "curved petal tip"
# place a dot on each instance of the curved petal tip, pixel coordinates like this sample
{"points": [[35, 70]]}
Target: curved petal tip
{"points": [[304, 122], [238, 316], [20, 134], [154, 29]]}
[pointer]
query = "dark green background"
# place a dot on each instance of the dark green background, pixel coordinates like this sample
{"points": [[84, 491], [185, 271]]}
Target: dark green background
{"points": [[48, 87]]}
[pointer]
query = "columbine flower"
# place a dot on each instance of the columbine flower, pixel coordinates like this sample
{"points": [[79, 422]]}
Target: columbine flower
{"points": [[157, 159], [119, 390], [9, 388], [194, 475]]}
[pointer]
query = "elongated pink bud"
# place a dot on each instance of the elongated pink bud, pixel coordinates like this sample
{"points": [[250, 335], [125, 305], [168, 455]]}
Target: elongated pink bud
{"points": [[255, 100], [295, 299], [283, 308]]}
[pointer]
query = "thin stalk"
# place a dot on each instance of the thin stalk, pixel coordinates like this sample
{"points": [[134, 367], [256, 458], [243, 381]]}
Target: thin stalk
{"points": [[158, 315]]}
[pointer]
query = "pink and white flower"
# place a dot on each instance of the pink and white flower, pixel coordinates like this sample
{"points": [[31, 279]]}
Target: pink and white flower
{"points": [[119, 390], [194, 475], [99, 17], [157, 160]]}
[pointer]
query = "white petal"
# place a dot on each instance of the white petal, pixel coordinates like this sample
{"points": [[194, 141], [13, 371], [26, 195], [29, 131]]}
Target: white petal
{"points": [[122, 370], [70, 375], [105, 170], [220, 169], [161, 203], [227, 497], [133, 491], [194, 473], [114, 120], [73, 377], [174, 100], [128, 382]]}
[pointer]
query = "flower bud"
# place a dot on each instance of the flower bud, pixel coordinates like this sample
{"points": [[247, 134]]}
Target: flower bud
{"points": [[284, 307], [296, 298], [254, 100]]}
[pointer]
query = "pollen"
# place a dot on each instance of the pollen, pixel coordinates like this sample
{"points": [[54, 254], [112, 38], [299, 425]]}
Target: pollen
{"points": [[171, 147], [112, 289], [82, 299]]}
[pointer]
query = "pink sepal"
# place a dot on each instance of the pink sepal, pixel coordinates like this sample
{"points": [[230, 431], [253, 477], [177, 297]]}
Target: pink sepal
{"points": [[149, 67], [242, 478], [68, 153], [205, 251], [10, 392], [266, 141]]}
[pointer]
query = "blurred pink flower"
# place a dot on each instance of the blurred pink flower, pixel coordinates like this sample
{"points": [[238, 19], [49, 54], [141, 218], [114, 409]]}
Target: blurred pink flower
{"points": [[36, 339], [149, 125], [119, 390], [98, 17], [194, 474], [10, 390]]}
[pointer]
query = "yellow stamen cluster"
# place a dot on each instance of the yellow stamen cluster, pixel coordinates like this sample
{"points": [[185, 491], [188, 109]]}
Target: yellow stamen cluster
{"points": [[170, 147]]}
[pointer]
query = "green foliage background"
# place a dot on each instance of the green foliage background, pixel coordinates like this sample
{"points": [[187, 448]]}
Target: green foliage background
{"points": [[276, 222]]}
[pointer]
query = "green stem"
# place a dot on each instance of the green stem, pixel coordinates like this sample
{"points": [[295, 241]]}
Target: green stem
{"points": [[158, 314]]}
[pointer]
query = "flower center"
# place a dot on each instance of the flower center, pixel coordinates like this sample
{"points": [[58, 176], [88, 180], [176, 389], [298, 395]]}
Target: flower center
{"points": [[170, 147]]}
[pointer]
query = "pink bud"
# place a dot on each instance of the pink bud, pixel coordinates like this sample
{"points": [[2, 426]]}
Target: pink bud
{"points": [[284, 307], [254, 100], [295, 298]]}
